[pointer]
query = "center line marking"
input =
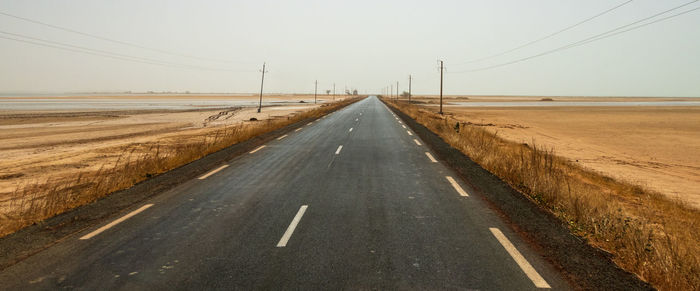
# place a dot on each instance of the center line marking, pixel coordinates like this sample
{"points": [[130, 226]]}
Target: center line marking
{"points": [[519, 259], [409, 133], [430, 157], [281, 137], [259, 148], [298, 129], [212, 172], [290, 230], [457, 187], [338, 150], [416, 141], [356, 119], [113, 223], [350, 129]]}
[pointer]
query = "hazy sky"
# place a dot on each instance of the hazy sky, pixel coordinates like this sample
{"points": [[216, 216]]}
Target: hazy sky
{"points": [[362, 44]]}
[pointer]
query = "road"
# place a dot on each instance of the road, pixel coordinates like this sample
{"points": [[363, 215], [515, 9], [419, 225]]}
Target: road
{"points": [[354, 200]]}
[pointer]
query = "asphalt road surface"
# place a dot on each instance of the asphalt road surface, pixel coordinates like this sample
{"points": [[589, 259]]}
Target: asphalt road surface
{"points": [[351, 201]]}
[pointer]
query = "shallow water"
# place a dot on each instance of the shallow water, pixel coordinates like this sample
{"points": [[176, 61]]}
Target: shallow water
{"points": [[573, 103], [11, 104]]}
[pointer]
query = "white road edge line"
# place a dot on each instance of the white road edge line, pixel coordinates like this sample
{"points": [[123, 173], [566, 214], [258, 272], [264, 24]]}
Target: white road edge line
{"points": [[290, 230], [409, 133], [259, 148], [298, 129], [457, 187], [202, 177], [338, 150], [350, 129], [519, 259], [281, 137], [356, 119], [404, 127], [416, 141], [113, 223], [432, 159]]}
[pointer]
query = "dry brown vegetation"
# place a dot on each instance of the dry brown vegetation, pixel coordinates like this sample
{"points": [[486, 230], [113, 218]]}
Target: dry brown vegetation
{"points": [[646, 233], [39, 200]]}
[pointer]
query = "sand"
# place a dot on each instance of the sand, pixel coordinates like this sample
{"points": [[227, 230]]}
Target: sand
{"points": [[37, 145], [655, 147]]}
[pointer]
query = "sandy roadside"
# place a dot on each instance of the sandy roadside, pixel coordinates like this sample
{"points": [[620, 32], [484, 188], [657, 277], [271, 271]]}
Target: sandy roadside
{"points": [[58, 144], [656, 147]]}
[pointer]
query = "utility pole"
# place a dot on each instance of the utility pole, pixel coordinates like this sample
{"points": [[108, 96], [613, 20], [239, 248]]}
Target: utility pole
{"points": [[315, 89], [442, 67], [262, 82], [334, 92], [392, 91], [397, 90], [409, 89]]}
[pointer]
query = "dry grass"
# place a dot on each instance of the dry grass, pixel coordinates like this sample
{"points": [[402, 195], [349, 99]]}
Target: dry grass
{"points": [[646, 233], [39, 200]]}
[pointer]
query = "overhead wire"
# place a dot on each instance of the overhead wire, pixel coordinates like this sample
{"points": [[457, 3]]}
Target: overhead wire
{"points": [[609, 33], [113, 40], [102, 53], [547, 36]]}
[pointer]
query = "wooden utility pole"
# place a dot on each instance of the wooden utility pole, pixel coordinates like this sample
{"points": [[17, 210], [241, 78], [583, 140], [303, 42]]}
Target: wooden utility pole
{"points": [[315, 90], [397, 90], [333, 91], [262, 82], [441, 69], [409, 89]]}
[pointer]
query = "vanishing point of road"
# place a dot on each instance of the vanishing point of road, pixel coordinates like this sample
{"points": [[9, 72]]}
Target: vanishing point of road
{"points": [[353, 200]]}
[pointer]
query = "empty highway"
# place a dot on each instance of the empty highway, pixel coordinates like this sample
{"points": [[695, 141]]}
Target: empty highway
{"points": [[353, 200]]}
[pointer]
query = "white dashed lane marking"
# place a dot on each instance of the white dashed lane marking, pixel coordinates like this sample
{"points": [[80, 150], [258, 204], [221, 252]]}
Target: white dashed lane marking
{"points": [[259, 148], [113, 223], [432, 159], [212, 172], [290, 230], [519, 259], [456, 186]]}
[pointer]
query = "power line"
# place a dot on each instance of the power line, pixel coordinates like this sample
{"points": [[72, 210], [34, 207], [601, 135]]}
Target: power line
{"points": [[112, 40], [604, 35], [642, 25], [547, 36], [102, 53]]}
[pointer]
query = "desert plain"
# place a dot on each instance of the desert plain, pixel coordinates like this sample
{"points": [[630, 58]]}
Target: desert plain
{"points": [[657, 147]]}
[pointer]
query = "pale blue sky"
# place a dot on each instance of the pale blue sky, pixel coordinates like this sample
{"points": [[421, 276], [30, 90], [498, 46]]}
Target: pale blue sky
{"points": [[362, 44]]}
